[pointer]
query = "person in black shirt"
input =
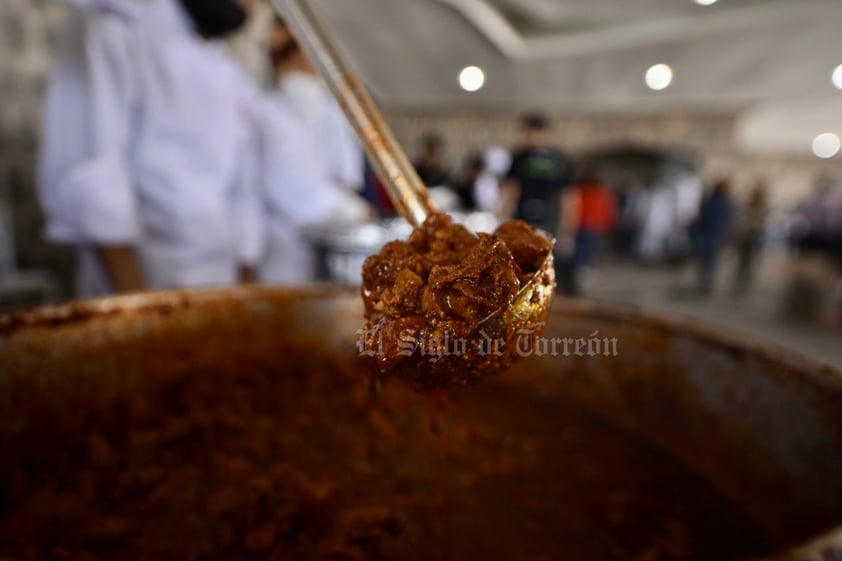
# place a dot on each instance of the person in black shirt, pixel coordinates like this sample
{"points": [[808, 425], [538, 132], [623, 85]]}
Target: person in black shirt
{"points": [[535, 187], [466, 188]]}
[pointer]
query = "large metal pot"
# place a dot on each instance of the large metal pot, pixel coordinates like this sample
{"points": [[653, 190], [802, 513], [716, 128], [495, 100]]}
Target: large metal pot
{"points": [[761, 425]]}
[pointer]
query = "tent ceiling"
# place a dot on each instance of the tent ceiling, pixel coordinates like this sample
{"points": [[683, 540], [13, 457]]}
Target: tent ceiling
{"points": [[592, 54], [550, 15]]}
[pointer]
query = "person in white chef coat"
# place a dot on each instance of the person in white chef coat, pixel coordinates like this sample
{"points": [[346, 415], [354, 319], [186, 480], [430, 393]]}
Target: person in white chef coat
{"points": [[299, 84], [311, 165], [147, 149]]}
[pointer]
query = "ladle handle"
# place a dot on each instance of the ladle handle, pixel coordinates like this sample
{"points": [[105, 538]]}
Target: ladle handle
{"points": [[406, 190]]}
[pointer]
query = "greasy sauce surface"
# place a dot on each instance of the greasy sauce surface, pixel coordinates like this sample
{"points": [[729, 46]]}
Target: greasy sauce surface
{"points": [[434, 290], [251, 460]]}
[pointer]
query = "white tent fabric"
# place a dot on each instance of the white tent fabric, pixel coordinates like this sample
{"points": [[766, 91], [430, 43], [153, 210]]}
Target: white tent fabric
{"points": [[773, 55]]}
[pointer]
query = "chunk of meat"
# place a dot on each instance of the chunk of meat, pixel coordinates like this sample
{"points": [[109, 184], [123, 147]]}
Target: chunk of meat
{"points": [[380, 276], [529, 249]]}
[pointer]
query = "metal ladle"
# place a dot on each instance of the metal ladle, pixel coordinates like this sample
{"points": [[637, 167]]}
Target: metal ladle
{"points": [[407, 192]]}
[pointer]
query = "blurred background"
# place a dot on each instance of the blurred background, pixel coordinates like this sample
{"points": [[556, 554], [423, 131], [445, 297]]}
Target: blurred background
{"points": [[704, 137]]}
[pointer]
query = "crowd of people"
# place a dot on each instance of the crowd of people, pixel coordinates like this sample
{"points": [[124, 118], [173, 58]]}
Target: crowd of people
{"points": [[668, 217], [166, 165], [535, 182]]}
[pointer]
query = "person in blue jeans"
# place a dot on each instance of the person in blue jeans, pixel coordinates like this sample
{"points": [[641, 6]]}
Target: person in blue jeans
{"points": [[597, 208], [713, 228]]}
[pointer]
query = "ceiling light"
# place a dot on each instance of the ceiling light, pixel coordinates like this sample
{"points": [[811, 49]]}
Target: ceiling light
{"points": [[836, 77], [826, 145], [659, 76], [472, 78], [705, 2]]}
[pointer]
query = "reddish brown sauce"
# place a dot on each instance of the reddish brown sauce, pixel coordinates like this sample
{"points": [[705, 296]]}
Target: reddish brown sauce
{"points": [[437, 400], [296, 460], [424, 296]]}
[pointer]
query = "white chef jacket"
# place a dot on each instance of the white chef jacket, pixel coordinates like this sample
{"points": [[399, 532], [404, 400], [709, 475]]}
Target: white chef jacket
{"points": [[147, 141], [655, 210], [340, 152], [496, 163], [298, 193]]}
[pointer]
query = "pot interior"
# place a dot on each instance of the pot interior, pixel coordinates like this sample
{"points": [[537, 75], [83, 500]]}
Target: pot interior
{"points": [[230, 424]]}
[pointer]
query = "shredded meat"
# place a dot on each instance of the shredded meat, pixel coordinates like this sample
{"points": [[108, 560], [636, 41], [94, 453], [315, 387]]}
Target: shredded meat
{"points": [[437, 287], [471, 290]]}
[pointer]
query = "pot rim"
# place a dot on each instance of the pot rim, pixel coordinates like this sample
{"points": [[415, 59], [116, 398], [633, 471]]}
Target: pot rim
{"points": [[81, 311]]}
